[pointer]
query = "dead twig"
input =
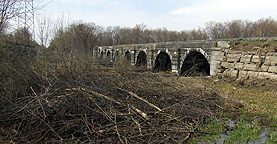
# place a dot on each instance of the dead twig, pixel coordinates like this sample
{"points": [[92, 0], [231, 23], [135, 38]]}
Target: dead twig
{"points": [[142, 99], [140, 112]]}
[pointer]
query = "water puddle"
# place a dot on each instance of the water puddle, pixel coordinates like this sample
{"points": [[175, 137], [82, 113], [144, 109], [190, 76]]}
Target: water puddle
{"points": [[264, 135]]}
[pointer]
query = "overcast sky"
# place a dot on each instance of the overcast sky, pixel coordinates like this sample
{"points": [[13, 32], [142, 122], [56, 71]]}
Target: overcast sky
{"points": [[172, 14]]}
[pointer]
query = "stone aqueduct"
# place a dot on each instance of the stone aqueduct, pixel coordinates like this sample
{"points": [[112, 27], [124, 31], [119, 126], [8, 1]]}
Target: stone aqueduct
{"points": [[192, 58], [178, 57]]}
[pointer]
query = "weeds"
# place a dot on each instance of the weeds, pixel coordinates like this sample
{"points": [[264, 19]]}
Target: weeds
{"points": [[257, 117], [74, 100]]}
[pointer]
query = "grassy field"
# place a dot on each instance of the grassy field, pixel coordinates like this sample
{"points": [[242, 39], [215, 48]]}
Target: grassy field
{"points": [[255, 122]]}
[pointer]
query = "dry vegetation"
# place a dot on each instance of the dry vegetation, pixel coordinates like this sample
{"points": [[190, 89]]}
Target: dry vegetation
{"points": [[75, 101], [257, 95], [251, 46]]}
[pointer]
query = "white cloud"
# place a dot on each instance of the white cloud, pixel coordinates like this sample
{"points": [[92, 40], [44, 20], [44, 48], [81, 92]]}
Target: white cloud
{"points": [[229, 9], [157, 14]]}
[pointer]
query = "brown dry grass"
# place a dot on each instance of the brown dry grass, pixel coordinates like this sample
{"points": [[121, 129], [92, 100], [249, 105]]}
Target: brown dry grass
{"points": [[61, 97], [109, 107], [251, 46], [259, 96]]}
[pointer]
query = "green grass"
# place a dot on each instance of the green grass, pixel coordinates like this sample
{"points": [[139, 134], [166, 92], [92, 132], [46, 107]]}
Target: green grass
{"points": [[244, 132], [259, 111]]}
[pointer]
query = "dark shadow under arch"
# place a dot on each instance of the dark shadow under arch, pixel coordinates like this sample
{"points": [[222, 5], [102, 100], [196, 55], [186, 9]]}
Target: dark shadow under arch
{"points": [[102, 55], [108, 54], [162, 63], [127, 56], [195, 64], [141, 59]]}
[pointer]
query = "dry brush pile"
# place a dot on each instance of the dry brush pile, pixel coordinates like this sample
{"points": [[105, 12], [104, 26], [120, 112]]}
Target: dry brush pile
{"points": [[77, 102]]}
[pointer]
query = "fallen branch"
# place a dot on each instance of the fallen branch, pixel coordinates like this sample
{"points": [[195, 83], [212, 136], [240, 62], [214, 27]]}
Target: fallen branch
{"points": [[140, 112], [96, 94], [142, 99]]}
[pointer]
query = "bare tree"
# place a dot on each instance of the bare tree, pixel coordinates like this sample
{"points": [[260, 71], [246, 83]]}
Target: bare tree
{"points": [[44, 29], [137, 34], [10, 9], [216, 30]]}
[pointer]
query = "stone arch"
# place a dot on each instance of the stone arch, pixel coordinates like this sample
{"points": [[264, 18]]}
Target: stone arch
{"points": [[195, 64], [162, 62], [102, 55], [127, 56], [108, 55], [141, 59]]}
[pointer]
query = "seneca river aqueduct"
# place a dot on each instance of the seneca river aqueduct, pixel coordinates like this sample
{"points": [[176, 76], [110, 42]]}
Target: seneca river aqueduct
{"points": [[202, 57]]}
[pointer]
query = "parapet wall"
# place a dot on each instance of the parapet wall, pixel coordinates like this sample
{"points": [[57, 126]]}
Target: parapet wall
{"points": [[262, 65]]}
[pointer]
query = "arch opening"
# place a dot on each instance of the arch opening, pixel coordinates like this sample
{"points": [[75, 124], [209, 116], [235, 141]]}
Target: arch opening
{"points": [[108, 54], [102, 55], [162, 63], [141, 59], [127, 57], [195, 64]]}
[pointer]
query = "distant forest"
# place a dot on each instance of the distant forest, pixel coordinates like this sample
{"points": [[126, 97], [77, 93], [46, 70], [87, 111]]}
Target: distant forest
{"points": [[88, 35]]}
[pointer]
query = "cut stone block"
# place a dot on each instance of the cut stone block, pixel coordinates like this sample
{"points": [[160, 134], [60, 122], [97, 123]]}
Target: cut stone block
{"points": [[233, 57], [271, 60], [250, 67], [243, 74], [234, 73], [239, 66], [227, 65], [253, 74], [264, 75], [246, 59], [255, 59], [272, 69], [223, 44], [264, 68], [273, 76]]}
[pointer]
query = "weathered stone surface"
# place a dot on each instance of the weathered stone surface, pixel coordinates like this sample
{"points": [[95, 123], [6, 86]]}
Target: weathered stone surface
{"points": [[216, 54], [219, 71], [256, 59], [243, 74], [213, 66], [273, 76], [233, 57], [272, 69], [220, 58], [234, 73], [271, 60], [271, 54], [264, 68], [264, 75], [239, 66], [227, 65], [246, 59], [226, 72], [253, 74], [250, 67], [223, 44]]}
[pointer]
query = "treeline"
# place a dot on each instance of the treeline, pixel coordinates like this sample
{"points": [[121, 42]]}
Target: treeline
{"points": [[85, 36], [266, 27]]}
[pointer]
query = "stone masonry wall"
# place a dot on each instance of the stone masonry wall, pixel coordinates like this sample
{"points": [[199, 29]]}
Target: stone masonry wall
{"points": [[247, 64]]}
